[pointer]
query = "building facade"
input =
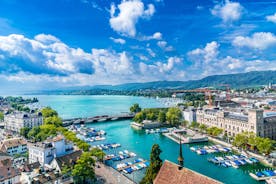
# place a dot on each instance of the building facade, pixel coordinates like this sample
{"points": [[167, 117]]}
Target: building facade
{"points": [[8, 173], [45, 152], [14, 146], [234, 123], [17, 120], [189, 114]]}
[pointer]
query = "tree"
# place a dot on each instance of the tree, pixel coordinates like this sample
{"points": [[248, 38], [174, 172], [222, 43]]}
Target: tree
{"points": [[151, 116], [33, 132], [161, 117], [214, 131], [48, 112], [185, 123], [24, 131], [252, 140], [83, 170], [173, 116], [264, 145], [135, 108], [83, 145], [99, 154], [202, 127], [155, 165], [240, 140], [194, 124], [1, 116], [139, 117], [55, 120]]}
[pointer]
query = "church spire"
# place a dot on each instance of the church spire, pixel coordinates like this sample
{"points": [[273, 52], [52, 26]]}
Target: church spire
{"points": [[180, 157]]}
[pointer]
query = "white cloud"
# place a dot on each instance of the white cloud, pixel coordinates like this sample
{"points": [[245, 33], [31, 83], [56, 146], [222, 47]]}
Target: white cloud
{"points": [[130, 12], [45, 60], [228, 12], [118, 40], [150, 51], [164, 45], [157, 36], [209, 52], [260, 40], [271, 18]]}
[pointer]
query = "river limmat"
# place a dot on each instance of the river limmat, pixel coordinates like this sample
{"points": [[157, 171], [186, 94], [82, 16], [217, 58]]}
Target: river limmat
{"points": [[139, 142]]}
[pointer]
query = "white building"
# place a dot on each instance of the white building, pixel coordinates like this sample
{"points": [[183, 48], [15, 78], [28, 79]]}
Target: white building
{"points": [[189, 114], [14, 146], [46, 151], [17, 120]]}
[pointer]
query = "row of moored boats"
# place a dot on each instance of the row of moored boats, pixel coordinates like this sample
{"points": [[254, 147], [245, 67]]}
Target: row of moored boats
{"points": [[210, 149]]}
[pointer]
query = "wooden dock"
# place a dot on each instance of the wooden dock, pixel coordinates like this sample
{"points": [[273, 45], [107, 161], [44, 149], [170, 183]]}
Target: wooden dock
{"points": [[95, 119]]}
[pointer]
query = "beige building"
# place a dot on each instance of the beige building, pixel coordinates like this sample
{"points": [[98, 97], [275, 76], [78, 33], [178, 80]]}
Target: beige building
{"points": [[17, 120], [234, 123]]}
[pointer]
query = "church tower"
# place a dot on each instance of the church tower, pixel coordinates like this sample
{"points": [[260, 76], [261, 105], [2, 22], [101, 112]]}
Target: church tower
{"points": [[180, 157]]}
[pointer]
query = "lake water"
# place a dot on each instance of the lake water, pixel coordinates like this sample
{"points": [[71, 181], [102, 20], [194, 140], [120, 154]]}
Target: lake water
{"points": [[82, 106], [138, 141]]}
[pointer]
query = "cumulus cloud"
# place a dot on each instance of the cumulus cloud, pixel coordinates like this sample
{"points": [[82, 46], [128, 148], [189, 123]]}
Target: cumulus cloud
{"points": [[164, 45], [228, 11], [271, 18], [130, 11], [209, 61], [118, 40], [260, 40], [47, 60], [209, 52]]}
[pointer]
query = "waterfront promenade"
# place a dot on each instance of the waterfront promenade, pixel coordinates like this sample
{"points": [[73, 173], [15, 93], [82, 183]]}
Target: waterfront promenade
{"points": [[107, 175]]}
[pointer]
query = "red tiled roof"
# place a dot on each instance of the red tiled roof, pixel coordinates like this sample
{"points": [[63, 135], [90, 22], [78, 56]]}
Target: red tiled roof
{"points": [[169, 173]]}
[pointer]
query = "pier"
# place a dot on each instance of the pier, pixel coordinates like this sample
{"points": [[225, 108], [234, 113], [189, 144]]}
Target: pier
{"points": [[95, 119]]}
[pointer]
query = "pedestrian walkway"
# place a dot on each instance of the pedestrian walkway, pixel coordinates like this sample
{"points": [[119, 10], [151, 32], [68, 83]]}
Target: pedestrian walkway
{"points": [[108, 175]]}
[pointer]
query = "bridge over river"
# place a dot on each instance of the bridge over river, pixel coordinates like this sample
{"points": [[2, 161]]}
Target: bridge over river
{"points": [[94, 119]]}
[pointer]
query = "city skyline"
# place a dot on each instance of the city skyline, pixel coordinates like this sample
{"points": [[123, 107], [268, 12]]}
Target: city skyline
{"points": [[55, 44]]}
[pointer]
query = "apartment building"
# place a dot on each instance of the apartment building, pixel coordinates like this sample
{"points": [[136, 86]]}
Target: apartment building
{"points": [[17, 120]]}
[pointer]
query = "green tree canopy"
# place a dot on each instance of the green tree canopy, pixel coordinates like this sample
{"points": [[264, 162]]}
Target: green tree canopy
{"points": [[1, 116], [48, 112], [24, 131], [173, 116], [54, 120], [135, 108], [83, 170], [161, 117], [155, 165]]}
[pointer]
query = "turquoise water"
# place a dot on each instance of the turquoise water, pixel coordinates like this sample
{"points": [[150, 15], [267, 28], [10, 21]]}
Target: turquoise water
{"points": [[71, 106], [138, 141]]}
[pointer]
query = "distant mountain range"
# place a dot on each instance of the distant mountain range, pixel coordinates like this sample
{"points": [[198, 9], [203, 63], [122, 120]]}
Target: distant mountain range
{"points": [[240, 80]]}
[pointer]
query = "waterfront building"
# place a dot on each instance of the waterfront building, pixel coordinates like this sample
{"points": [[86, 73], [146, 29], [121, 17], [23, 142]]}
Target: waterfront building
{"points": [[44, 152], [189, 114], [14, 146], [17, 120], [8, 173], [66, 160], [255, 121]]}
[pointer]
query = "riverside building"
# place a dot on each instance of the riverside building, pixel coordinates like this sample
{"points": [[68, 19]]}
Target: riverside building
{"points": [[17, 120], [255, 121], [45, 152]]}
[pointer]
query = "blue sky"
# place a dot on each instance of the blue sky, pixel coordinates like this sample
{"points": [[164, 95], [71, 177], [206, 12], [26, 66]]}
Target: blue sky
{"points": [[60, 43]]}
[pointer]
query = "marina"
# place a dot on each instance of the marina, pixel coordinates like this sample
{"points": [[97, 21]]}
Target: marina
{"points": [[210, 149], [140, 142]]}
